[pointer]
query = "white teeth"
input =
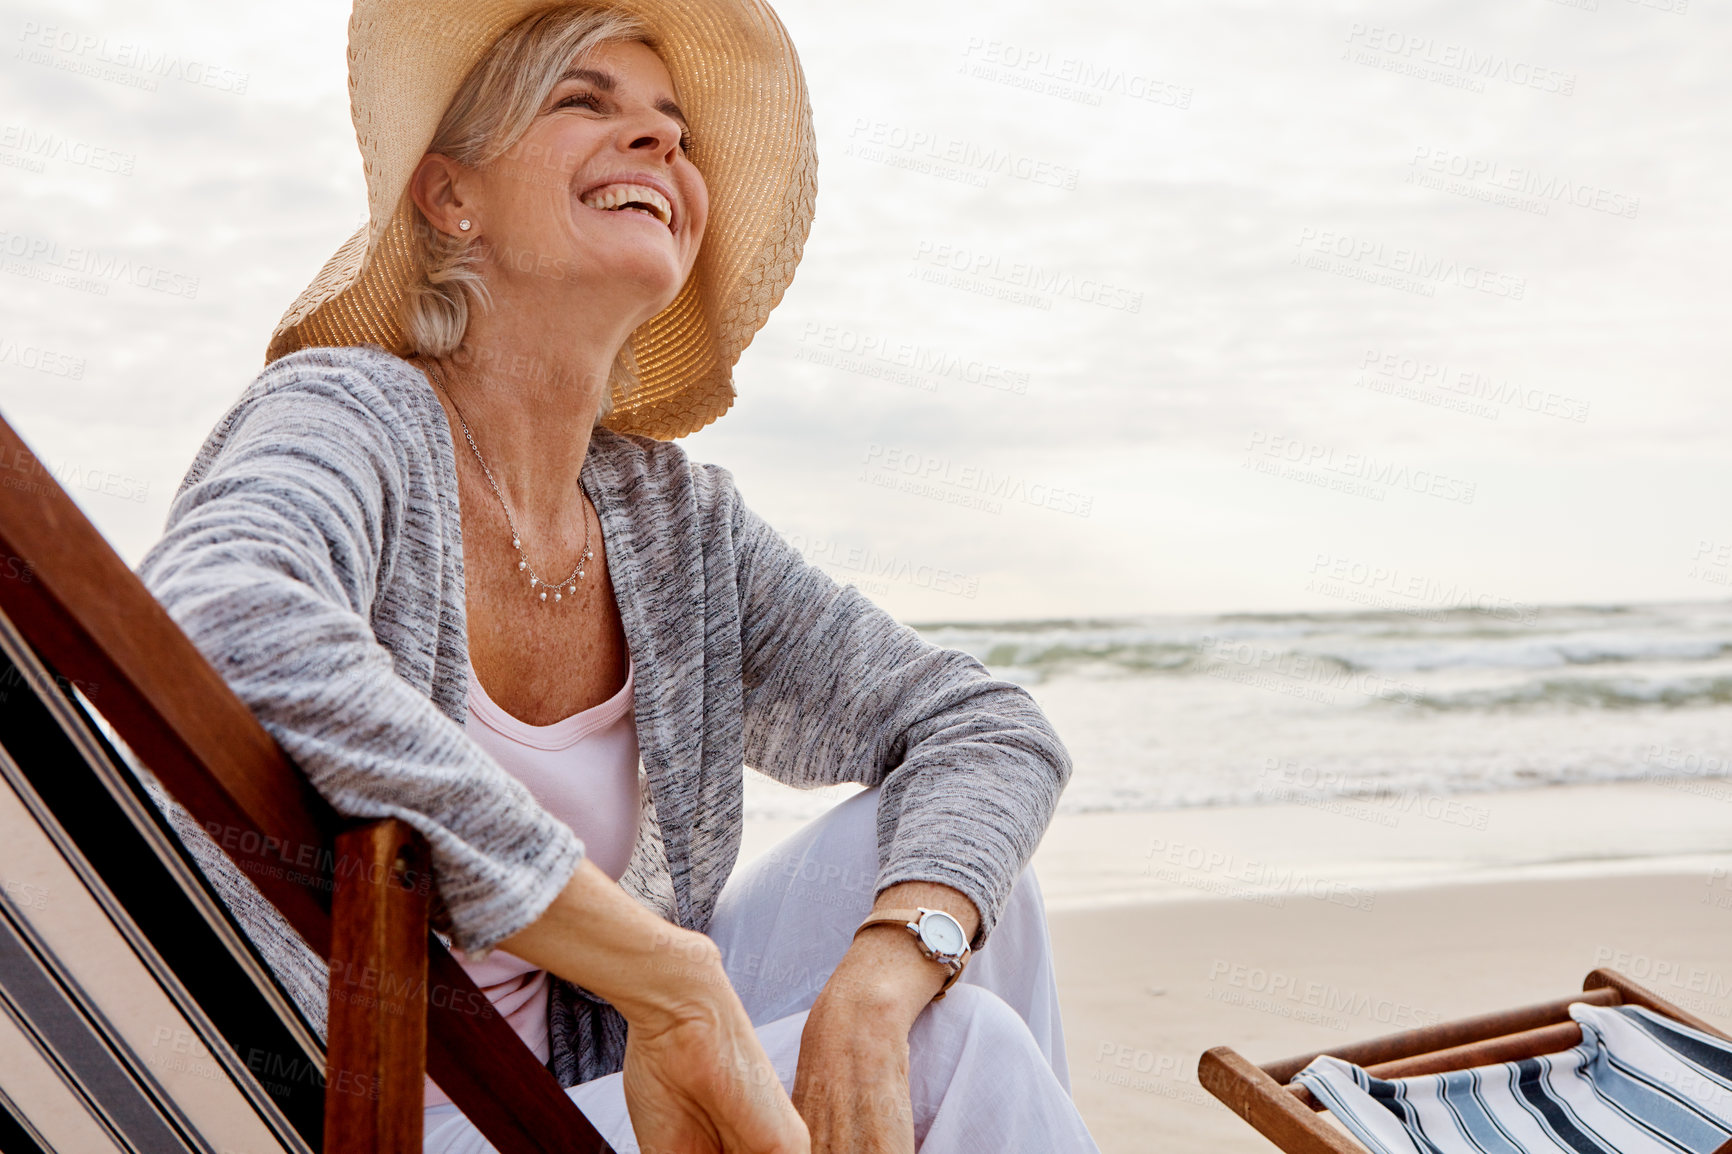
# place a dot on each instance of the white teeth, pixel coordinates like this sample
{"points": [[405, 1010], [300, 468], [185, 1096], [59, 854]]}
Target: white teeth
{"points": [[616, 196]]}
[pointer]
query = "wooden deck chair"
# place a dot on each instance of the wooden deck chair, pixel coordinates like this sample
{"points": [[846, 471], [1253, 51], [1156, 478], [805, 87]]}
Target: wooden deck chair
{"points": [[1288, 1115], [134, 1014]]}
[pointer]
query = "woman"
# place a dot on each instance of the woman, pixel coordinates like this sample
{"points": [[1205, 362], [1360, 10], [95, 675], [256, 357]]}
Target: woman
{"points": [[456, 596]]}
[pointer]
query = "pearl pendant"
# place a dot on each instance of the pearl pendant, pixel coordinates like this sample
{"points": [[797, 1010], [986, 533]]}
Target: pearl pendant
{"points": [[544, 596], [572, 590], [534, 581], [522, 565], [557, 596], [516, 544], [580, 572]]}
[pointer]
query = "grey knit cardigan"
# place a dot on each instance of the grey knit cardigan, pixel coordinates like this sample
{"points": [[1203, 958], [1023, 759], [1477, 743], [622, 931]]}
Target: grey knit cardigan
{"points": [[314, 555]]}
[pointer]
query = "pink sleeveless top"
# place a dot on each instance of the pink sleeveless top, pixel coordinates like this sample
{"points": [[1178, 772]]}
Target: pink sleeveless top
{"points": [[584, 771]]}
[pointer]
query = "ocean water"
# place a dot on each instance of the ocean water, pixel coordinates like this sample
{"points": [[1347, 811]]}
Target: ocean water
{"points": [[1380, 706]]}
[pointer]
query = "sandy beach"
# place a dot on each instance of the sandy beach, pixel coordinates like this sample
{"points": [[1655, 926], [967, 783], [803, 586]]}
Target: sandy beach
{"points": [[1146, 989], [1284, 928]]}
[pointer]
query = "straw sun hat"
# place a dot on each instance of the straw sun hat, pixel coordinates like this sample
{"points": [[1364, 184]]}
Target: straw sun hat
{"points": [[738, 81]]}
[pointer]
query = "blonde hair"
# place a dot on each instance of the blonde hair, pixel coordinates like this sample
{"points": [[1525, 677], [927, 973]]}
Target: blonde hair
{"points": [[489, 114]]}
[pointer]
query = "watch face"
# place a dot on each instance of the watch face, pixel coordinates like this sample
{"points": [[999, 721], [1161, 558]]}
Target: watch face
{"points": [[942, 933]]}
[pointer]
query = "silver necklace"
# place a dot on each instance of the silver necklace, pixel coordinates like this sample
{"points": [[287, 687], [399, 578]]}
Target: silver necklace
{"points": [[536, 585]]}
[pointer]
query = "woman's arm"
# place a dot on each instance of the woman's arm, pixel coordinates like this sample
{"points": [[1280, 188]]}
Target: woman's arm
{"points": [[272, 561], [695, 1077], [837, 690], [970, 772]]}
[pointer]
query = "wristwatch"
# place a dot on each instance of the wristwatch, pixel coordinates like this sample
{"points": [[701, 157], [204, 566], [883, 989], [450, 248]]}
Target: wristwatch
{"points": [[938, 935]]}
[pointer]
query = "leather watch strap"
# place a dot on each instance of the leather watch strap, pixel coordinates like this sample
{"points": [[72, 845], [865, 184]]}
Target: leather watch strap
{"points": [[890, 917]]}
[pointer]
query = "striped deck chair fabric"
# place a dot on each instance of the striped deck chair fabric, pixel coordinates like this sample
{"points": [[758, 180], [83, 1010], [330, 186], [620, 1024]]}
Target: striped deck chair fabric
{"points": [[1637, 1083], [134, 1016]]}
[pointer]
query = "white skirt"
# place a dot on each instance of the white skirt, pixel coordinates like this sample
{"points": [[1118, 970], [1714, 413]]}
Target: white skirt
{"points": [[987, 1070]]}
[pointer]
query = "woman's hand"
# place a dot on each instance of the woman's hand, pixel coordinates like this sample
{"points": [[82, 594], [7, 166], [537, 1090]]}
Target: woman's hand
{"points": [[851, 1085], [696, 1078]]}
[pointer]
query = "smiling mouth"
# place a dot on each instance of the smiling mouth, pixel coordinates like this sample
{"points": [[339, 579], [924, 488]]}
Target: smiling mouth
{"points": [[631, 198]]}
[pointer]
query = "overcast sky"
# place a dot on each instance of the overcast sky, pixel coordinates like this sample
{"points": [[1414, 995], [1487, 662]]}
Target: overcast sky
{"points": [[1109, 307]]}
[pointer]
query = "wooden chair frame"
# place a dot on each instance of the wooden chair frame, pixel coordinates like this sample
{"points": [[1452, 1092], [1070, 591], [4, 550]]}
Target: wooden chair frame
{"points": [[91, 621], [1287, 1115]]}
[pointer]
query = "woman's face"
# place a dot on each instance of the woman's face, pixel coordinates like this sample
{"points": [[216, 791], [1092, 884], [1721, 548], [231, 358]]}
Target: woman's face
{"points": [[600, 191]]}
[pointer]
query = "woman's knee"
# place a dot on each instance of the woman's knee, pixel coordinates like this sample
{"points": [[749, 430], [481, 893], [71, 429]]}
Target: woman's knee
{"points": [[966, 1041], [969, 1018]]}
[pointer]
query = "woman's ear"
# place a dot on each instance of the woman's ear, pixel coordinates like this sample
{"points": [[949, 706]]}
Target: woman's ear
{"points": [[435, 187]]}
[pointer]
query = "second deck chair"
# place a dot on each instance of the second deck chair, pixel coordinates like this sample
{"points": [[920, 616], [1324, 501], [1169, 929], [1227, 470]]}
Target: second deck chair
{"points": [[1286, 1113], [134, 1014]]}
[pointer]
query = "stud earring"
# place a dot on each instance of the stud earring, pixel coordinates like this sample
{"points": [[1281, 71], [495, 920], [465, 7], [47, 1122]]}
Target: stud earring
{"points": [[464, 225]]}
